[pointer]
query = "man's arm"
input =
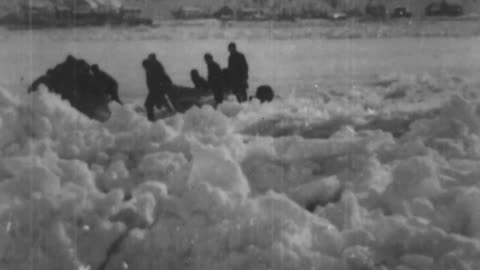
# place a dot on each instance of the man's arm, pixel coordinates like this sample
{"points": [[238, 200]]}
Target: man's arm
{"points": [[37, 82]]}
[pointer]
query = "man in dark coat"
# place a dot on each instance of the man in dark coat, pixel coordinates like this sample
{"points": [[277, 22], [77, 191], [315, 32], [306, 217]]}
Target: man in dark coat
{"points": [[73, 80], [237, 73], [106, 83], [64, 76], [159, 85], [198, 81], [215, 78]]}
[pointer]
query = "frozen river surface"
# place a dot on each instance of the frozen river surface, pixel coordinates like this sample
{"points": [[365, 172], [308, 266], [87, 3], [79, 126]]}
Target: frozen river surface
{"points": [[287, 65]]}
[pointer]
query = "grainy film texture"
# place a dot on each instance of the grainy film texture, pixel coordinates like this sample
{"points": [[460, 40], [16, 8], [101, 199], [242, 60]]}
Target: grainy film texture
{"points": [[239, 134]]}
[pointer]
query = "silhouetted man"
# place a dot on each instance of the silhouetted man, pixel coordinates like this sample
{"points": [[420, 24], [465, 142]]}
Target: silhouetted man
{"points": [[237, 73], [64, 76], [82, 80], [198, 81], [163, 76], [106, 83], [215, 78], [74, 81], [159, 85]]}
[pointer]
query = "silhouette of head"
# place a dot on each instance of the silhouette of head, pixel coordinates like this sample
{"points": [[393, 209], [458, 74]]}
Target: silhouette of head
{"points": [[194, 73], [70, 59], [95, 68], [208, 58], [152, 56], [145, 63], [50, 72], [232, 47]]}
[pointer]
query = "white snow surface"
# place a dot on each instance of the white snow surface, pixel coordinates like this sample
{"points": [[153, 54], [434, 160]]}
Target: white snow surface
{"points": [[227, 188]]}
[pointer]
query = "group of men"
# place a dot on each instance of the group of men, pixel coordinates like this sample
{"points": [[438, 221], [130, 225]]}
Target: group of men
{"points": [[232, 79], [86, 86], [80, 83], [219, 81]]}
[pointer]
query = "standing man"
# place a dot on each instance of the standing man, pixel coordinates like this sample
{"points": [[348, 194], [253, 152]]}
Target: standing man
{"points": [[215, 78], [159, 85], [237, 73]]}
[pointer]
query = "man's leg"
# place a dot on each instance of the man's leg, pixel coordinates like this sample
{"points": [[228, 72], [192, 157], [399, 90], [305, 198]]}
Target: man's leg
{"points": [[218, 95], [236, 92], [150, 107], [240, 91], [244, 89], [243, 93]]}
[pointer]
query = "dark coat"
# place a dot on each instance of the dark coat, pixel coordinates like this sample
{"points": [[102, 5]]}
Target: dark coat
{"points": [[157, 79], [105, 82], [215, 75], [237, 68], [199, 82]]}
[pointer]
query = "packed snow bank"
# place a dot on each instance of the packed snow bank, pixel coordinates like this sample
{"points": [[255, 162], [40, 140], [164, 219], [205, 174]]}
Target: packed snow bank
{"points": [[192, 192]]}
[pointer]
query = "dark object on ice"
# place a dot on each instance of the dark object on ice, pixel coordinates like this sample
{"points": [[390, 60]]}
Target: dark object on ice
{"points": [[183, 98], [215, 78], [159, 86], [106, 83], [264, 93], [237, 73], [444, 9], [73, 81], [401, 12], [198, 81], [376, 11]]}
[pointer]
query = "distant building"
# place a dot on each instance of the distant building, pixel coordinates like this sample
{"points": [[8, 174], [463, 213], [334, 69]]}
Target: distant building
{"points": [[252, 14], [444, 8], [40, 12], [190, 12]]}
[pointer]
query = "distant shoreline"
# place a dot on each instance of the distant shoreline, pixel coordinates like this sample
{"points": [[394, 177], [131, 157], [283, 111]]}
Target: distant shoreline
{"points": [[276, 30]]}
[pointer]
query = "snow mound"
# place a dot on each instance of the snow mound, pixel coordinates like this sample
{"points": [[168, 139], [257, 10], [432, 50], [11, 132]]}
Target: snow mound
{"points": [[196, 191]]}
